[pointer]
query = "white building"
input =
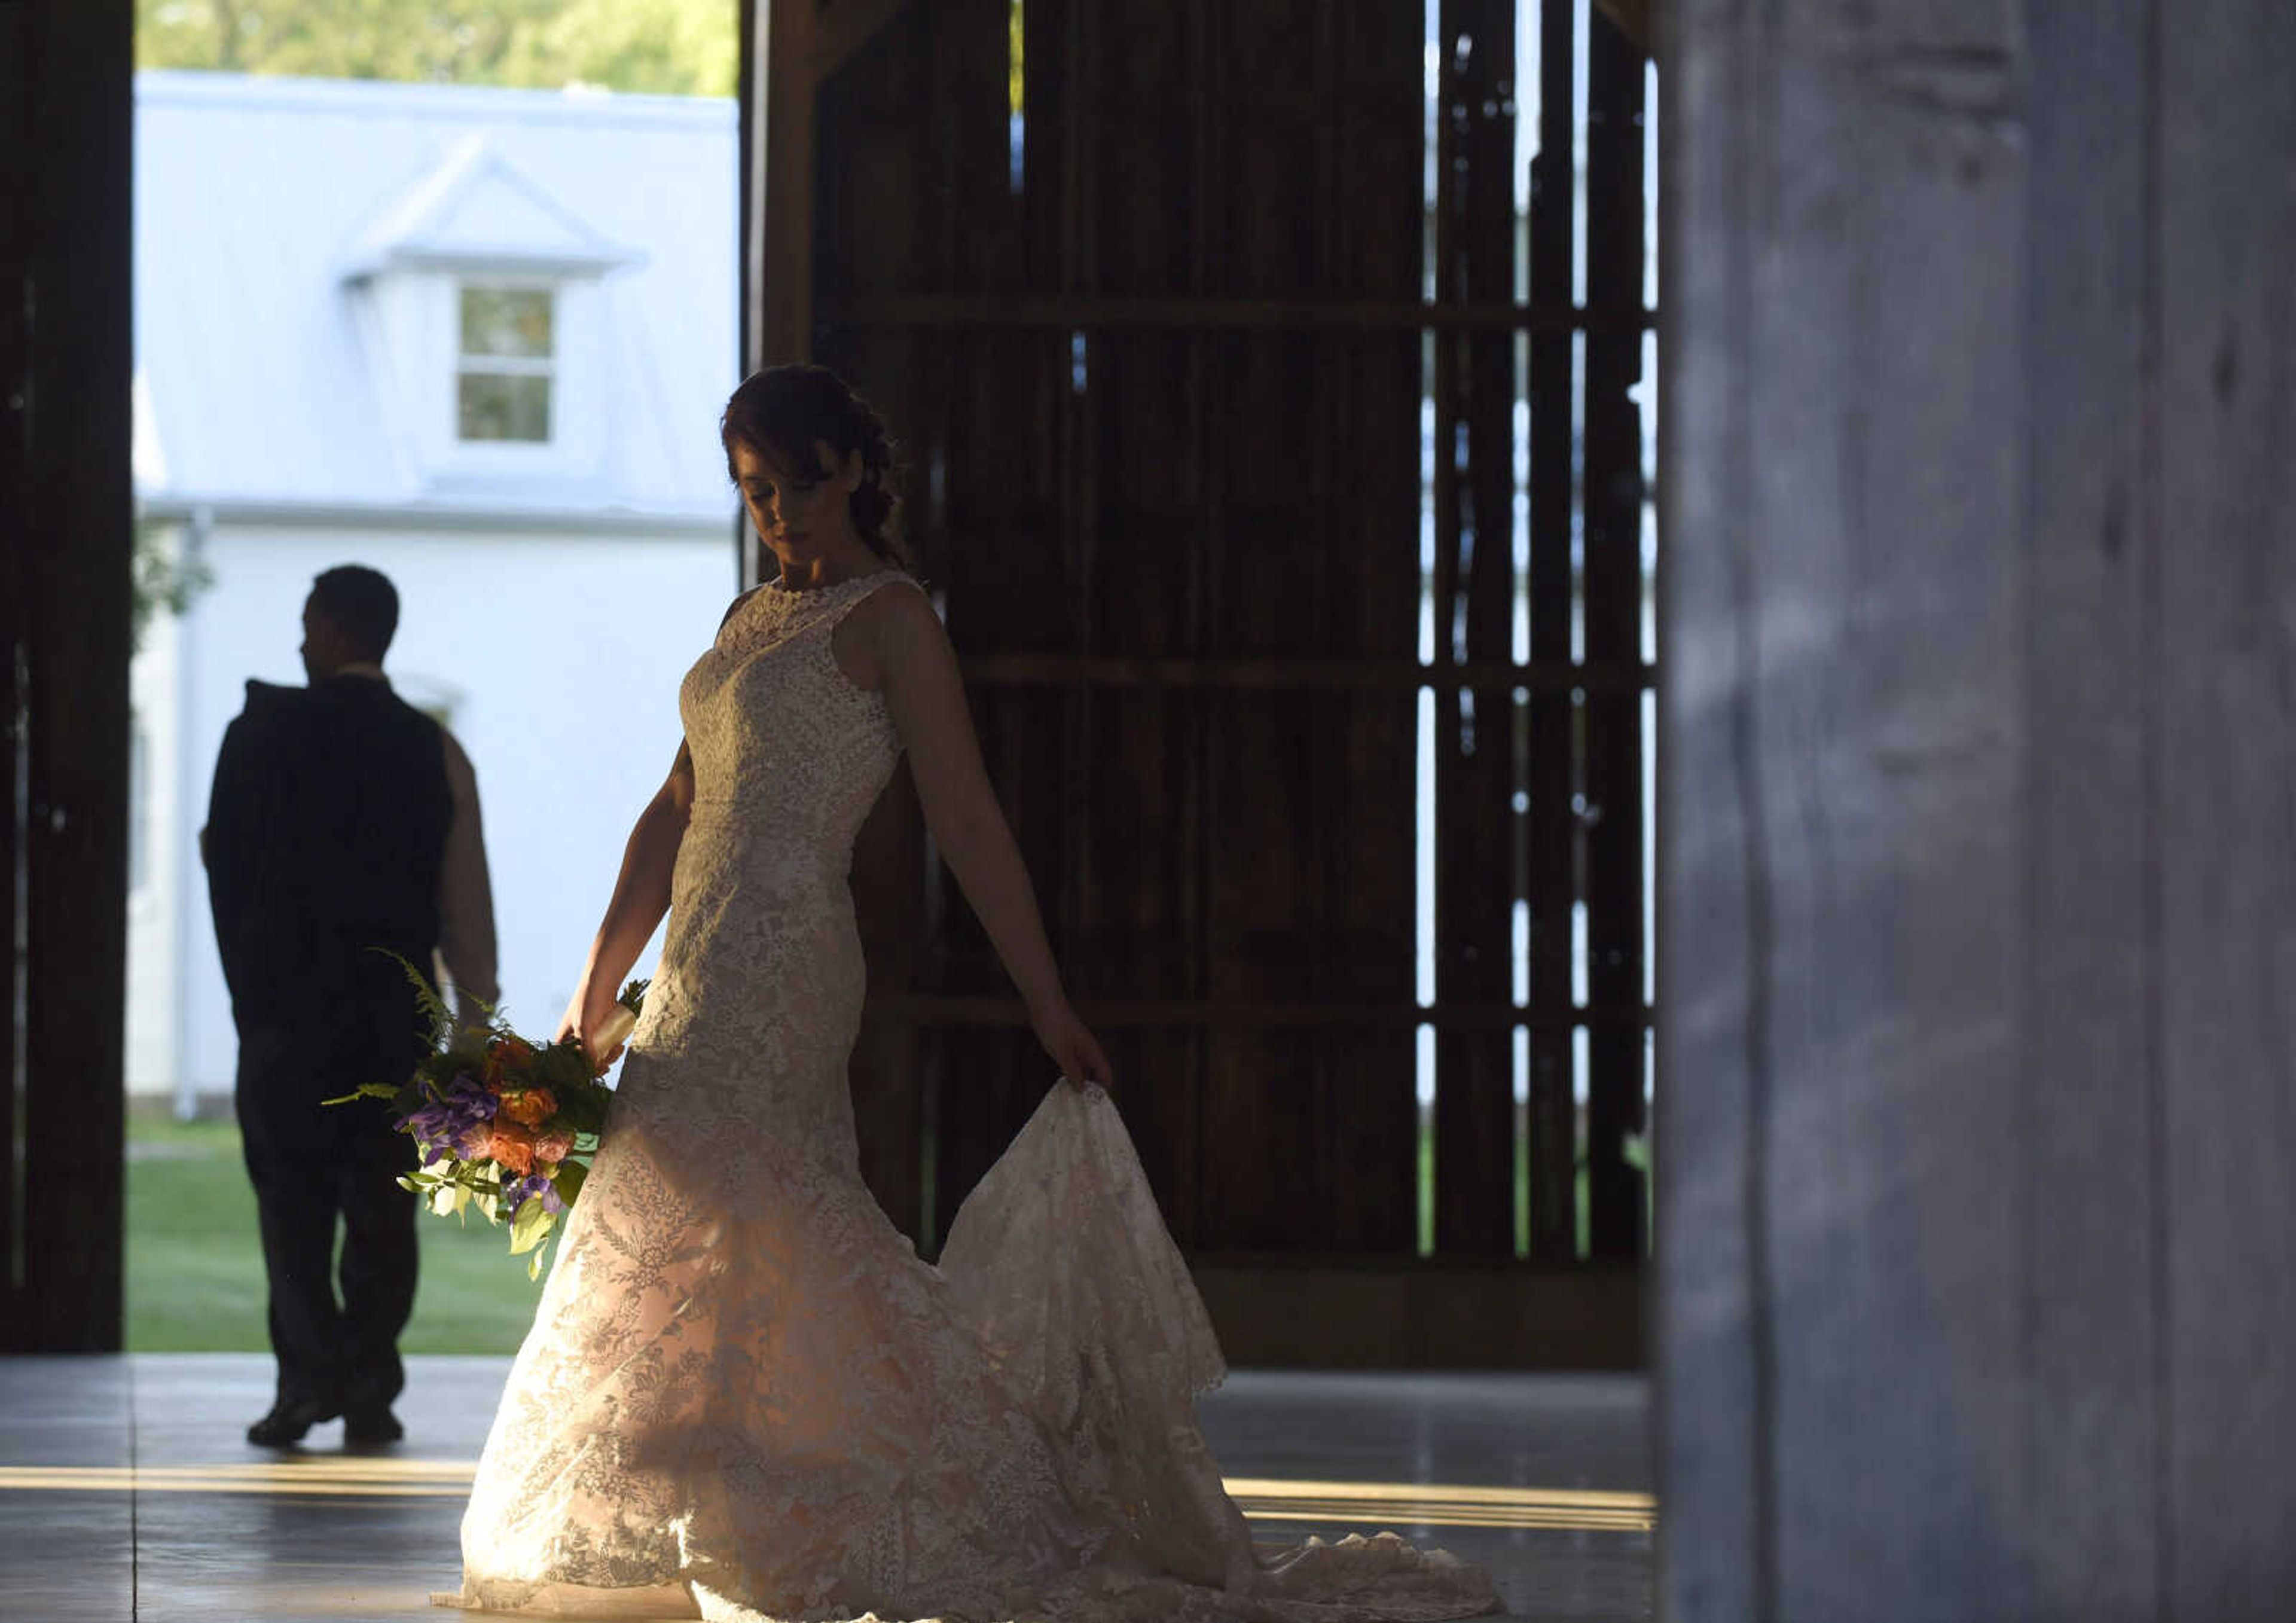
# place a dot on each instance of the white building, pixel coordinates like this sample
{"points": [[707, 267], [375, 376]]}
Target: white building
{"points": [[478, 339]]}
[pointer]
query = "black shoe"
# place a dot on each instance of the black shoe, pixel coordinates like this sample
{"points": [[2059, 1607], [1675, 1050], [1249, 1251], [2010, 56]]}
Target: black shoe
{"points": [[369, 1426], [288, 1418]]}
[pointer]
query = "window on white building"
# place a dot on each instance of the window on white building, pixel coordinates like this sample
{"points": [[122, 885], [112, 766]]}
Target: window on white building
{"points": [[506, 364]]}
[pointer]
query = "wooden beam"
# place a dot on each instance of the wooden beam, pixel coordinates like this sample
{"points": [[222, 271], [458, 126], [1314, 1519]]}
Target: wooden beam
{"points": [[1633, 20], [1113, 313], [841, 27], [1405, 1314], [1239, 1013], [1290, 675], [778, 204]]}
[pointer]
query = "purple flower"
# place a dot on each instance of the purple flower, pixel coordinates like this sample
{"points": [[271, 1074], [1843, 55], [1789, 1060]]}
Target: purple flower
{"points": [[518, 1192], [451, 1119]]}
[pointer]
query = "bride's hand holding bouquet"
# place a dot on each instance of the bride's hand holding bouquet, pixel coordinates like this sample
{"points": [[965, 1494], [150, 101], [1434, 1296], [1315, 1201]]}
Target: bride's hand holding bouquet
{"points": [[504, 1124], [599, 1021]]}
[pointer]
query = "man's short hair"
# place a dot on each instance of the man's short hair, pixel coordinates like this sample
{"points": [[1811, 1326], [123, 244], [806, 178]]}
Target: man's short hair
{"points": [[363, 605]]}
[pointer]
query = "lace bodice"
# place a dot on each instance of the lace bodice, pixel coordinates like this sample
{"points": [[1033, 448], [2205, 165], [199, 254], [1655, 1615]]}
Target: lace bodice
{"points": [[785, 747], [789, 756]]}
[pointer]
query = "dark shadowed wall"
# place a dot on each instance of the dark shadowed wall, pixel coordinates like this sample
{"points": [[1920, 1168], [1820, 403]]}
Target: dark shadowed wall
{"points": [[65, 358]]}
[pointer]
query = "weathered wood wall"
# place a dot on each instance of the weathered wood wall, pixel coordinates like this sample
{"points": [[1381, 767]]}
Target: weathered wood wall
{"points": [[1978, 1251], [66, 117]]}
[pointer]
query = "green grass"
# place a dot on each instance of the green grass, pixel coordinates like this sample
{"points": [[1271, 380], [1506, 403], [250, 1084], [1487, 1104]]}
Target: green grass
{"points": [[1638, 1154], [1426, 1194], [195, 1264]]}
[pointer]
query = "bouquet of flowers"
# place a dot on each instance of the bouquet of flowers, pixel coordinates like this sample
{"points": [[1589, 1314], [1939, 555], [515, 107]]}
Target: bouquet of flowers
{"points": [[504, 1124]]}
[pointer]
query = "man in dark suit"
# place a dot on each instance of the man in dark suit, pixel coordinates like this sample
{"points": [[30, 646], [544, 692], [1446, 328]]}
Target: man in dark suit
{"points": [[343, 819]]}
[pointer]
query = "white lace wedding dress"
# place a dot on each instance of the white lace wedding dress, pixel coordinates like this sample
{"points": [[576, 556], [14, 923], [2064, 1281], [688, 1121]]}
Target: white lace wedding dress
{"points": [[744, 1397]]}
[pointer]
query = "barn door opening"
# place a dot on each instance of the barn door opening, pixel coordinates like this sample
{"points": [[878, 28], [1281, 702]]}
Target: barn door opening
{"points": [[1273, 382]]}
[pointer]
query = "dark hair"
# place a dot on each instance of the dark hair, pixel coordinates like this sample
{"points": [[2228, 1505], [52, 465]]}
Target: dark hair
{"points": [[363, 605], [780, 412]]}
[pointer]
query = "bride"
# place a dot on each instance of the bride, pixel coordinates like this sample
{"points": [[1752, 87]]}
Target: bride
{"points": [[743, 1396]]}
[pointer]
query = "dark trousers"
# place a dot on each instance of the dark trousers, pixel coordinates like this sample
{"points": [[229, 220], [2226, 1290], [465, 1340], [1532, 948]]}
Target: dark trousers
{"points": [[314, 1167]]}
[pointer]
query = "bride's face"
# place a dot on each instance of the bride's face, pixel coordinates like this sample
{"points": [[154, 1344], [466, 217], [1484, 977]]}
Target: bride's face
{"points": [[801, 519]]}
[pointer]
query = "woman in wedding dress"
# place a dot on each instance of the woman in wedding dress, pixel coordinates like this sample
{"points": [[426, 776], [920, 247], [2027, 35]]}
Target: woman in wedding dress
{"points": [[743, 1396]]}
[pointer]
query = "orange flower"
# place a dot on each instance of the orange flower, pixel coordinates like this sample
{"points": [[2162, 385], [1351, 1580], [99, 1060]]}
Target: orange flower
{"points": [[504, 1056], [551, 1148], [513, 1147], [529, 1107]]}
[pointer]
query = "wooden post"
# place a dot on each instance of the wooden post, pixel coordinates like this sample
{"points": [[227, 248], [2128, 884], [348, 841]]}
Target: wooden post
{"points": [[2222, 347], [67, 84], [1979, 1261], [778, 204]]}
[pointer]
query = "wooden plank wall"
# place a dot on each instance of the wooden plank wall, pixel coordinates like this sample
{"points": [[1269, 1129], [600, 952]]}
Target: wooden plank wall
{"points": [[1124, 486], [1539, 774], [1610, 813], [1979, 1259], [1477, 776], [1159, 374], [1549, 719]]}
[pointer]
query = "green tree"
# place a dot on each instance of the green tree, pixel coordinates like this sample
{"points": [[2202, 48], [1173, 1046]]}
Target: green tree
{"points": [[673, 47], [164, 580]]}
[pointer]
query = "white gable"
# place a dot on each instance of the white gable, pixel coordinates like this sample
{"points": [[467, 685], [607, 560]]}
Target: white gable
{"points": [[472, 210], [268, 212]]}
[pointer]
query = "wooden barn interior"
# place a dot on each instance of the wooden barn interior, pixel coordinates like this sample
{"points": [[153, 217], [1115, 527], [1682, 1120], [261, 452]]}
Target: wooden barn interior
{"points": [[1965, 1285], [1157, 331]]}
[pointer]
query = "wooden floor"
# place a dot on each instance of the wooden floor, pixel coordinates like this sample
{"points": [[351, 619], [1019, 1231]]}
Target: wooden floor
{"points": [[127, 1490]]}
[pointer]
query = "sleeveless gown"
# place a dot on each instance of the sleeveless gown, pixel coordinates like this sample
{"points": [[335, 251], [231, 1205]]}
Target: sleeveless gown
{"points": [[744, 1397]]}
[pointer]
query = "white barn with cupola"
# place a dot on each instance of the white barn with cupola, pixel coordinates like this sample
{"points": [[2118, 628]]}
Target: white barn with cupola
{"points": [[477, 338]]}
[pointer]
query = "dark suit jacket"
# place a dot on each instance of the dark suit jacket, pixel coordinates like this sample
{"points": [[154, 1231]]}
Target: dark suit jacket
{"points": [[326, 830]]}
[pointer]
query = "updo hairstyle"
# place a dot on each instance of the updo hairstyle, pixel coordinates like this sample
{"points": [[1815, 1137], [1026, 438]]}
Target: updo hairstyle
{"points": [[781, 411]]}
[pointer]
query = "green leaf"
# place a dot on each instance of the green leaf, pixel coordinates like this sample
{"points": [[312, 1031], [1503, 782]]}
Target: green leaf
{"points": [[530, 1227], [426, 996], [367, 1090]]}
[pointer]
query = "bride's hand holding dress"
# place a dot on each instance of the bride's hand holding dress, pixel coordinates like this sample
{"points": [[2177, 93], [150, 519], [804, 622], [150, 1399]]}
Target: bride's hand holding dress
{"points": [[1073, 1051]]}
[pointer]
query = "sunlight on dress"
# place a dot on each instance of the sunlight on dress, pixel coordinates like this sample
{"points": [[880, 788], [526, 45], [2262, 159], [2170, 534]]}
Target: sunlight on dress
{"points": [[745, 1398]]}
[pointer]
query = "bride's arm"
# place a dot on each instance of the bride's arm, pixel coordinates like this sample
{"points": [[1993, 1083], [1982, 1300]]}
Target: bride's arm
{"points": [[641, 897], [917, 673]]}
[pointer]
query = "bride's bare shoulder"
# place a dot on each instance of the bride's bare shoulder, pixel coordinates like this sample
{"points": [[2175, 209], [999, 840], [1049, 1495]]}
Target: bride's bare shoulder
{"points": [[882, 628]]}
